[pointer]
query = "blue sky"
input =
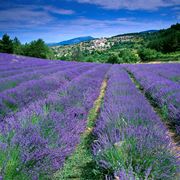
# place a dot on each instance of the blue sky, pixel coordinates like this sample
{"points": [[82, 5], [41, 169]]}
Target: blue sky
{"points": [[57, 20]]}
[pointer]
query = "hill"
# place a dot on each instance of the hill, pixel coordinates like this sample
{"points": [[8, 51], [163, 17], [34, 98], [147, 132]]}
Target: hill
{"points": [[72, 41], [151, 45]]}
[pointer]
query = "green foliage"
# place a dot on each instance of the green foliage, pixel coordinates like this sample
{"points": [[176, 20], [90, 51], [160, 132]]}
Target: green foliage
{"points": [[34, 49], [113, 59], [11, 106], [147, 54], [128, 56], [35, 119], [166, 40], [17, 46], [164, 112], [37, 49], [6, 44], [10, 163]]}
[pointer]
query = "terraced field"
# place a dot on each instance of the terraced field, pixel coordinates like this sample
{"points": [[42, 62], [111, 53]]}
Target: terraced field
{"points": [[71, 120]]}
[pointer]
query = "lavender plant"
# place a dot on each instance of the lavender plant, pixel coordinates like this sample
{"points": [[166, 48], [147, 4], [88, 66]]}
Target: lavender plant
{"points": [[131, 142], [47, 131], [14, 99], [161, 84]]}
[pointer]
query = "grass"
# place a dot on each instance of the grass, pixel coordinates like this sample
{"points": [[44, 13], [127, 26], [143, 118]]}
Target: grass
{"points": [[8, 85], [10, 163], [81, 165]]}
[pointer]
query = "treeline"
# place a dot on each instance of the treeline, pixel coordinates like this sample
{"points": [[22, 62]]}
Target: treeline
{"points": [[165, 41], [36, 48]]}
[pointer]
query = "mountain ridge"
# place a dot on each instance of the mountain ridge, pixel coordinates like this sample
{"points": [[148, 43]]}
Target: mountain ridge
{"points": [[72, 41]]}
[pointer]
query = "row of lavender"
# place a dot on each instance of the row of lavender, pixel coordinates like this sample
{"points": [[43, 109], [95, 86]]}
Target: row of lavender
{"points": [[10, 62], [161, 83], [131, 141], [35, 141], [14, 80], [15, 65], [12, 100], [20, 90]]}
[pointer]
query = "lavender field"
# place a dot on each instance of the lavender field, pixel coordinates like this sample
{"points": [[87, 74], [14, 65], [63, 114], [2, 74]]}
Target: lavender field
{"points": [[80, 120]]}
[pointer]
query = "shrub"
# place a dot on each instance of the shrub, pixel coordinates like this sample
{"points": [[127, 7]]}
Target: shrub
{"points": [[128, 56], [113, 59], [147, 54]]}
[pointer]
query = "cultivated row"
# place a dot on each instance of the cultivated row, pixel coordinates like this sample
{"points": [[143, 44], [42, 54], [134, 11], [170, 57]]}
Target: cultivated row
{"points": [[46, 132], [12, 100], [15, 80], [131, 142], [162, 87]]}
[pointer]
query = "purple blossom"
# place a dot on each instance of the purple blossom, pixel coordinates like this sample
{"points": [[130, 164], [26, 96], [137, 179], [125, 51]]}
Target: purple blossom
{"points": [[129, 133]]}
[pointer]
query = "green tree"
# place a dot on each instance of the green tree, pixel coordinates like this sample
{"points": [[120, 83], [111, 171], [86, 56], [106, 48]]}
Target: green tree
{"points": [[165, 40], [113, 59], [147, 54], [37, 49], [128, 56], [17, 46], [6, 44]]}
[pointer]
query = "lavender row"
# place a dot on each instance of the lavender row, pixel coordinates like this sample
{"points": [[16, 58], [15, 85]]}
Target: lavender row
{"points": [[164, 92], [13, 81], [48, 131], [8, 62], [170, 71], [131, 142], [13, 62], [4, 74], [13, 99], [11, 72]]}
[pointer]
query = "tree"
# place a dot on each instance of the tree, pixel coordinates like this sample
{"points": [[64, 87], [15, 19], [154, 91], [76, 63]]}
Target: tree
{"points": [[113, 59], [166, 40], [6, 44], [128, 56], [147, 54], [37, 49], [17, 46]]}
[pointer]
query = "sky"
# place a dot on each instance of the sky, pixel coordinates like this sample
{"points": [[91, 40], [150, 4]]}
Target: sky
{"points": [[58, 20]]}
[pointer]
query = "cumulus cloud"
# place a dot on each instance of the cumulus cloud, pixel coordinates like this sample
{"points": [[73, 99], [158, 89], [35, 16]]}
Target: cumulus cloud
{"points": [[131, 4]]}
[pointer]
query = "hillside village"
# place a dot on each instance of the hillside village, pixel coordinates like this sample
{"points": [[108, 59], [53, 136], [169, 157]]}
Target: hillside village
{"points": [[100, 44]]}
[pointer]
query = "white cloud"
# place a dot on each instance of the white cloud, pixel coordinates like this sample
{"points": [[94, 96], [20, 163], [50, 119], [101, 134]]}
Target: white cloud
{"points": [[58, 10], [131, 4]]}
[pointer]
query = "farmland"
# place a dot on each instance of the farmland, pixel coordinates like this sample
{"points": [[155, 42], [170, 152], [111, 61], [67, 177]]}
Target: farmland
{"points": [[80, 120]]}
